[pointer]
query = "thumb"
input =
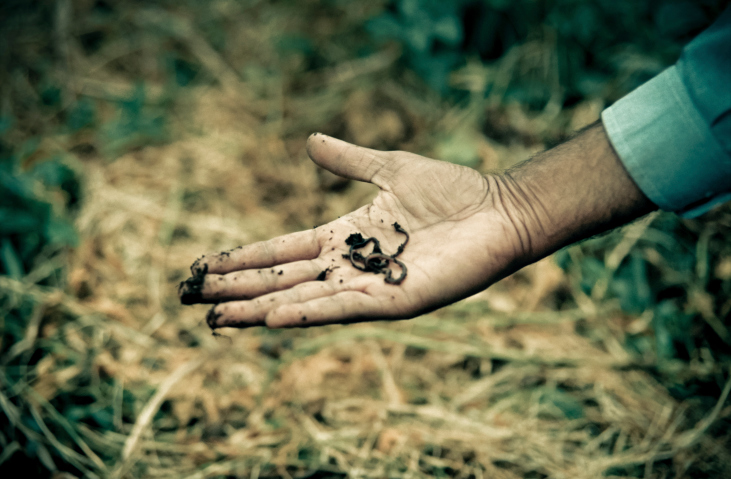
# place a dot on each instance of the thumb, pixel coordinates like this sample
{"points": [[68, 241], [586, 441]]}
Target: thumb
{"points": [[347, 160]]}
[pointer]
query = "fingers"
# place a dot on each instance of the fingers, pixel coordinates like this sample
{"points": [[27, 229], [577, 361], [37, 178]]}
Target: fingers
{"points": [[242, 314], [345, 306], [302, 245], [345, 159], [211, 288]]}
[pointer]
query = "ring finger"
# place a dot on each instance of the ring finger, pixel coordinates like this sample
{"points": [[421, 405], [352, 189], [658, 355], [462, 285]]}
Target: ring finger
{"points": [[242, 314]]}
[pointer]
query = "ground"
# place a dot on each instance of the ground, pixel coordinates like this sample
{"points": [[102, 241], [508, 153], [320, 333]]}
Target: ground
{"points": [[571, 368]]}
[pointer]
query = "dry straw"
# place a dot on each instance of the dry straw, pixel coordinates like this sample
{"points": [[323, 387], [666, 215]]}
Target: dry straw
{"points": [[502, 385]]}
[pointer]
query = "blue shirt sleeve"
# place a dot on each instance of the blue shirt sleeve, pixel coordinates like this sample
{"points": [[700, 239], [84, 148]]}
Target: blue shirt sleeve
{"points": [[673, 134]]}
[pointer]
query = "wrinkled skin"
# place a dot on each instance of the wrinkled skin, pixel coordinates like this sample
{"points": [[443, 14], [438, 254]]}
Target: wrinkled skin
{"points": [[465, 233]]}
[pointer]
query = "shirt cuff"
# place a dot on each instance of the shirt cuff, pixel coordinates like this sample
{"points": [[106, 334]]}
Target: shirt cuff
{"points": [[667, 148]]}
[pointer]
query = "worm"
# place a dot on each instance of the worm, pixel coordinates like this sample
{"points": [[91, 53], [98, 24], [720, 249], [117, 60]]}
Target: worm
{"points": [[376, 261]]}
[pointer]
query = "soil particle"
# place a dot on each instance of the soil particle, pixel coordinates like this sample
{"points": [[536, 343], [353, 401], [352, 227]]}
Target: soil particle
{"points": [[195, 268], [280, 272], [212, 318], [323, 274], [303, 318]]}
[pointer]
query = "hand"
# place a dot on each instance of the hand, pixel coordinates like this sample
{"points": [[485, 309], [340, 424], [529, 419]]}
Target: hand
{"points": [[463, 237]]}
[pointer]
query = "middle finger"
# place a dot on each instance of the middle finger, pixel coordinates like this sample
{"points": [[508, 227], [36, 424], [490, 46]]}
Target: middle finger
{"points": [[250, 283]]}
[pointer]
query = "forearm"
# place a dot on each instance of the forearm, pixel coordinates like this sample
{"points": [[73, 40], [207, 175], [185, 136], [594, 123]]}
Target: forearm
{"points": [[571, 192]]}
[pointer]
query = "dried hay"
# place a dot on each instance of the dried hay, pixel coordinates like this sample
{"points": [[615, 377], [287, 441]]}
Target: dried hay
{"points": [[502, 385], [485, 396]]}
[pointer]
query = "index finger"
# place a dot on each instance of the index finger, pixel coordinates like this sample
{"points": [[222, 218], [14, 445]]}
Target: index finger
{"points": [[302, 245]]}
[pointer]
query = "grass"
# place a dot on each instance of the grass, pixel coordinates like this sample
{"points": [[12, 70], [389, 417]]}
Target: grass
{"points": [[186, 127]]}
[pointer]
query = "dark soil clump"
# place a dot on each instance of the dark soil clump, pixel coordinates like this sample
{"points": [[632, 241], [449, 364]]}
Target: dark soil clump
{"points": [[190, 289], [211, 317]]}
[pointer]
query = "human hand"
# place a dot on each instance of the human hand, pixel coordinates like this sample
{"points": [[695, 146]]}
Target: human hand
{"points": [[464, 235]]}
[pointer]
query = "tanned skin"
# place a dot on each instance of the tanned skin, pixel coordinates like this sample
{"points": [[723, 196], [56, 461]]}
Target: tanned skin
{"points": [[467, 231]]}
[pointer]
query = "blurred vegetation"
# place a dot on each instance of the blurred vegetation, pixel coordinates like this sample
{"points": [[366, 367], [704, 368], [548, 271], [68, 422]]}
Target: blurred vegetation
{"points": [[87, 87], [592, 59]]}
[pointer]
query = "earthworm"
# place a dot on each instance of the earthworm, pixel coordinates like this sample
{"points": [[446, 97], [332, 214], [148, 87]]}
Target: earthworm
{"points": [[376, 261]]}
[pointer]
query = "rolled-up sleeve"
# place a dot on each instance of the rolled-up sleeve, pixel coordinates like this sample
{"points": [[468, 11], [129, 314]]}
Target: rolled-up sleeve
{"points": [[673, 134]]}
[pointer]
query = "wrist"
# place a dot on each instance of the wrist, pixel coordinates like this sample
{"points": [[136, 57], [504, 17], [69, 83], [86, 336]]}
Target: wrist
{"points": [[571, 192]]}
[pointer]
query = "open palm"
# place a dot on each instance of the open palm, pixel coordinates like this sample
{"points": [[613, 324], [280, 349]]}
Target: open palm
{"points": [[462, 239]]}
